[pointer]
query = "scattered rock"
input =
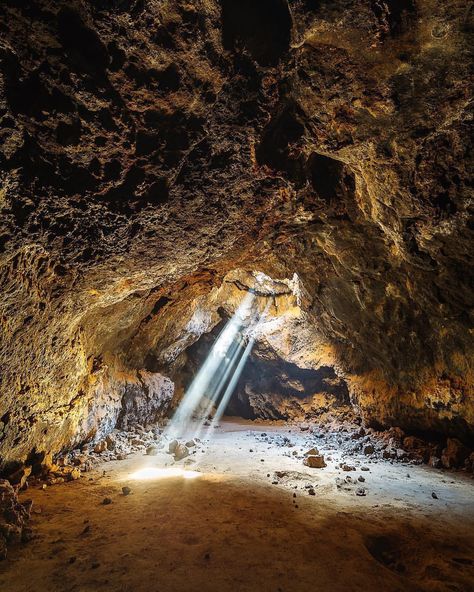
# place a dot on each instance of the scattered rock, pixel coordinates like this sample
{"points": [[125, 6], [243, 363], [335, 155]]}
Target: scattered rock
{"points": [[190, 443], [126, 490], [106, 501], [100, 447], [315, 461], [433, 495], [180, 452], [172, 446], [346, 467], [368, 449], [152, 450], [361, 492], [311, 452]]}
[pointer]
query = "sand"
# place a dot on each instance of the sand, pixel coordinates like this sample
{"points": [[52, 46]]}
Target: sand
{"points": [[228, 527]]}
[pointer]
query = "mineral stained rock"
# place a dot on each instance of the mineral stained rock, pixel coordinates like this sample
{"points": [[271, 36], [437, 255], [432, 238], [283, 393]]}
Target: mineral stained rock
{"points": [[150, 148]]}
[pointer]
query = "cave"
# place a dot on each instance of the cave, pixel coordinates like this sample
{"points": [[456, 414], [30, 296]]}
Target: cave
{"points": [[236, 296]]}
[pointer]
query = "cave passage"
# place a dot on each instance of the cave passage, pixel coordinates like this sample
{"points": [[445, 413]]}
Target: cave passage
{"points": [[236, 305]]}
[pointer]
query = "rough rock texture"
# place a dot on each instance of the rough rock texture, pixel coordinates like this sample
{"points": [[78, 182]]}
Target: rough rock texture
{"points": [[150, 147]]}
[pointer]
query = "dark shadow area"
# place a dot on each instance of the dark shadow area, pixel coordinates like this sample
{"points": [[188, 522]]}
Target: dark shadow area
{"points": [[263, 28]]}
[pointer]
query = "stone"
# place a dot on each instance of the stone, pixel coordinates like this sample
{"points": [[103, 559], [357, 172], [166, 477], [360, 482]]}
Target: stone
{"points": [[106, 501], [190, 443], [311, 452], [20, 476], [454, 454], [111, 441], [434, 462], [100, 447], [180, 452], [361, 479], [126, 490], [172, 446], [152, 450], [361, 492], [368, 449], [315, 461], [347, 467]]}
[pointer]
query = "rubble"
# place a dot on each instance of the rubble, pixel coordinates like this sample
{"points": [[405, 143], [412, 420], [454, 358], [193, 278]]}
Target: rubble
{"points": [[14, 516]]}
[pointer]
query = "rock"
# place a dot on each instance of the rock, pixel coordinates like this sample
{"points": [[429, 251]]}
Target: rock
{"points": [[315, 461], [368, 449], [360, 433], [172, 446], [433, 495], [180, 452], [311, 491], [361, 479], [3, 548], [364, 468], [20, 476], [74, 474], [100, 447], [454, 454], [111, 442], [190, 443], [361, 492], [413, 443], [126, 490], [311, 452], [152, 450], [346, 467], [106, 501], [435, 462]]}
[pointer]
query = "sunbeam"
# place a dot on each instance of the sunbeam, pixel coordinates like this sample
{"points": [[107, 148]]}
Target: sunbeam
{"points": [[213, 374]]}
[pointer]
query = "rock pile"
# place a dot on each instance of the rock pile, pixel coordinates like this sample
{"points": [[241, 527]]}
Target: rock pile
{"points": [[14, 517]]}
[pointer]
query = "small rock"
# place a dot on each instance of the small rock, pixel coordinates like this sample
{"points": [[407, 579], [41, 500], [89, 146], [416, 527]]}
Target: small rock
{"points": [[368, 449], [106, 501], [126, 490], [152, 450], [361, 492], [180, 452], [315, 461], [100, 447], [361, 479], [190, 443], [311, 491], [312, 452], [433, 495], [346, 467], [364, 469], [172, 446]]}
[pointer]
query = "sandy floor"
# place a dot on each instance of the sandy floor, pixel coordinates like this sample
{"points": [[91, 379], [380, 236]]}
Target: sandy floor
{"points": [[230, 528]]}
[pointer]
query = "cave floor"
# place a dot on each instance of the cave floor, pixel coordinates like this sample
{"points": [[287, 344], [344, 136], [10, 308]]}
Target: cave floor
{"points": [[233, 529]]}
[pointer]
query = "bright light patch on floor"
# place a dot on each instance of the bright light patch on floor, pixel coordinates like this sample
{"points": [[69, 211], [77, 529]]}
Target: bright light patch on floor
{"points": [[163, 473]]}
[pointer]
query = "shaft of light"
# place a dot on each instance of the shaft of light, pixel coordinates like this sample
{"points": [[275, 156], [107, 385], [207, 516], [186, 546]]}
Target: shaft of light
{"points": [[233, 356], [235, 377], [207, 374]]}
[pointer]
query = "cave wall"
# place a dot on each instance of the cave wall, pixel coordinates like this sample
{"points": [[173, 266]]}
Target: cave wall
{"points": [[150, 147]]}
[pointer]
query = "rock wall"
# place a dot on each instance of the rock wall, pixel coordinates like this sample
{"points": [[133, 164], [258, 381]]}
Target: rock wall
{"points": [[150, 147]]}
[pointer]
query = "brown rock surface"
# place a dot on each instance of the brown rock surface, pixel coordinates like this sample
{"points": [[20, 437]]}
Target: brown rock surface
{"points": [[150, 148]]}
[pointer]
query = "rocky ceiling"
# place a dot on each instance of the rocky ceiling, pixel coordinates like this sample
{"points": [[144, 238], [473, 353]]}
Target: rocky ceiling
{"points": [[151, 146]]}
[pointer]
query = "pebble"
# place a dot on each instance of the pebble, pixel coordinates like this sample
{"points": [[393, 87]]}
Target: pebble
{"points": [[126, 490]]}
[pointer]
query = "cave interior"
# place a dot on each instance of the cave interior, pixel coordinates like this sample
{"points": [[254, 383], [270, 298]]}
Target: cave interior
{"points": [[237, 297]]}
